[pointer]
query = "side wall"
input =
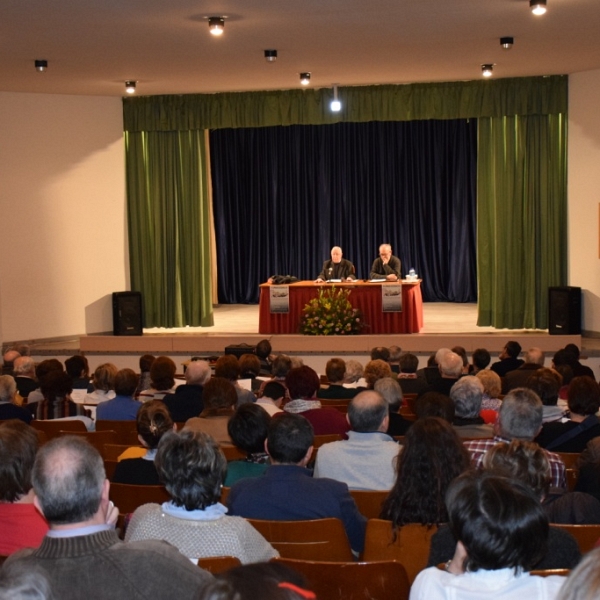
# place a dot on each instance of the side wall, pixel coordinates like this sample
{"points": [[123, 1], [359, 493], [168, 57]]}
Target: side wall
{"points": [[584, 193], [62, 210]]}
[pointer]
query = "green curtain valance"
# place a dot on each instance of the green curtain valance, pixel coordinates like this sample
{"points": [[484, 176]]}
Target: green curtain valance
{"points": [[448, 100]]}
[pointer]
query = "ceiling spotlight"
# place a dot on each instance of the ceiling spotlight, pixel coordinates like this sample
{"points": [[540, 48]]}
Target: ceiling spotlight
{"points": [[335, 105], [487, 70], [507, 42], [538, 7], [270, 55], [304, 78], [41, 65], [130, 87], [216, 25]]}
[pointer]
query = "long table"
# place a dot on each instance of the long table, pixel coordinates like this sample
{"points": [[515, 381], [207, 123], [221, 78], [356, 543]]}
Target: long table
{"points": [[365, 296]]}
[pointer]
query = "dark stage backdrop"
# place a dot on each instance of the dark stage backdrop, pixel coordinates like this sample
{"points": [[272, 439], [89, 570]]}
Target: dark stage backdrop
{"points": [[283, 196]]}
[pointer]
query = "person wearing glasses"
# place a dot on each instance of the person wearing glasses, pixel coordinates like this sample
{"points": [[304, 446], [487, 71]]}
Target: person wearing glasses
{"points": [[387, 266]]}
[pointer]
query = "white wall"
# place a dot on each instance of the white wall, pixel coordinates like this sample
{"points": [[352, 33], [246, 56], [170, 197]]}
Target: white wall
{"points": [[62, 214], [584, 192]]}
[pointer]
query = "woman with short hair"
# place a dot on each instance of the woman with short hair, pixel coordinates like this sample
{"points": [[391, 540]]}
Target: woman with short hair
{"points": [[192, 468]]}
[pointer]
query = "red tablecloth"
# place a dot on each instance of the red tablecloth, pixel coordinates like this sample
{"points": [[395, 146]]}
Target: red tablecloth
{"points": [[365, 296]]}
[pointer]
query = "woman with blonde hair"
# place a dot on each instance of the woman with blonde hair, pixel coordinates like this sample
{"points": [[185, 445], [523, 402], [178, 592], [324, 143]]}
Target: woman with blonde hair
{"points": [[104, 384]]}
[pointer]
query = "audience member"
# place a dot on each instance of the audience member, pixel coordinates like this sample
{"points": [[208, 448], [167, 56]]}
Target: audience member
{"points": [[519, 418], [374, 370], [380, 353], [303, 383], [480, 359], [408, 379], [280, 367], [492, 386], [588, 479], [579, 370], [450, 367], [162, 379], [247, 429], [78, 369], [335, 370], [467, 394], [434, 404], [366, 460], [41, 370], [263, 351], [8, 406], [460, 350], [267, 581], [354, 375], [583, 582], [9, 358], [220, 400], [228, 367], [501, 534], [287, 491], [136, 465], [21, 524], [18, 582], [431, 373], [187, 402], [395, 354], [392, 393], [250, 369], [145, 365], [192, 468], [432, 457], [24, 373], [534, 360], [546, 383], [509, 360], [123, 407], [82, 555], [527, 462], [583, 425], [272, 398], [57, 404], [566, 373], [103, 382]]}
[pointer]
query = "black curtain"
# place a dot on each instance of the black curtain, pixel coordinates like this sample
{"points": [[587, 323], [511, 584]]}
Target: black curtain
{"points": [[283, 196]]}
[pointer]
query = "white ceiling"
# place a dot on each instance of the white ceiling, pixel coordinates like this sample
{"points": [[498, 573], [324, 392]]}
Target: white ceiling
{"points": [[93, 47]]}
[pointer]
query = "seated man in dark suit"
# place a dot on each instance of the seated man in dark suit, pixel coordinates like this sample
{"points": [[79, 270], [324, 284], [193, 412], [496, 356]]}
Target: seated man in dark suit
{"points": [[509, 360], [409, 381], [337, 267], [24, 373], [288, 492]]}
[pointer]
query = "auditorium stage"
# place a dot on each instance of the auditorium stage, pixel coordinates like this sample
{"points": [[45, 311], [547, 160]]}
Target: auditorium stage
{"points": [[445, 325]]}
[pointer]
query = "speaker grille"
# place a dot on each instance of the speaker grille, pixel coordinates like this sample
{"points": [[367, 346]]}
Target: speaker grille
{"points": [[127, 313], [564, 310]]}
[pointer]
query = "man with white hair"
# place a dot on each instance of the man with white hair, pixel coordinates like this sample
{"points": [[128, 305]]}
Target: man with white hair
{"points": [[534, 360], [24, 374], [467, 394], [8, 409], [81, 555], [450, 366], [337, 267], [387, 266], [186, 402]]}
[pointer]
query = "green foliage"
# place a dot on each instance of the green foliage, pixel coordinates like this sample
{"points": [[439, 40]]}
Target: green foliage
{"points": [[331, 313]]}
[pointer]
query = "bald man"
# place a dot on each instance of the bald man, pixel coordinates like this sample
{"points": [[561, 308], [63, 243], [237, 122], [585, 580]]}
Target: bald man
{"points": [[387, 266], [337, 268], [366, 460]]}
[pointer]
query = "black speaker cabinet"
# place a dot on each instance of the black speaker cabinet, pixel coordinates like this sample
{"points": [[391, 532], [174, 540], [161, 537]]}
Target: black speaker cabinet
{"points": [[564, 310], [127, 313]]}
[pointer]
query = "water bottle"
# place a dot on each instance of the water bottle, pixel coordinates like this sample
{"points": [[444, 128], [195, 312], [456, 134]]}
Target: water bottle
{"points": [[412, 275]]}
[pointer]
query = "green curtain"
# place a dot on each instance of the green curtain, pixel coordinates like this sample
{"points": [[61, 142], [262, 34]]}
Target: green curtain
{"points": [[521, 218], [169, 226]]}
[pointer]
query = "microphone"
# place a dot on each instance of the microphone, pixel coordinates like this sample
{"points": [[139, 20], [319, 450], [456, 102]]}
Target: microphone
{"points": [[329, 272]]}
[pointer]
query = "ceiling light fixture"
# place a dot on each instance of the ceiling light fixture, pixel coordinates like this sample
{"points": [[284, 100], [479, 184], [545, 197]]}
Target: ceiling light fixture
{"points": [[538, 7], [487, 70], [41, 65], [270, 55], [130, 87], [507, 42], [335, 105], [304, 78], [216, 25]]}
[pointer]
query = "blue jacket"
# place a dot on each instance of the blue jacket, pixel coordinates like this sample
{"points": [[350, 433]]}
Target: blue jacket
{"points": [[289, 493], [120, 408]]}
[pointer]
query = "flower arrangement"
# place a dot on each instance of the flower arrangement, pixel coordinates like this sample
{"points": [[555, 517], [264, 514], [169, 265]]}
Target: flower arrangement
{"points": [[331, 313]]}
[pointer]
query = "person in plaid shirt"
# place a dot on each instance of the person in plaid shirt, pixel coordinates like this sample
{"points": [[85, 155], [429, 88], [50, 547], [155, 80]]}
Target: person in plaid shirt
{"points": [[519, 418]]}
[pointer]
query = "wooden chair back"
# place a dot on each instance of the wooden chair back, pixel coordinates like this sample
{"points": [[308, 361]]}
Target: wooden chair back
{"points": [[224, 493], [407, 413], [369, 502], [233, 453], [98, 439], [218, 564], [571, 460], [586, 535], [126, 431], [317, 539], [110, 466], [53, 427], [548, 572], [381, 580], [410, 400], [319, 440], [411, 546], [128, 497]]}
